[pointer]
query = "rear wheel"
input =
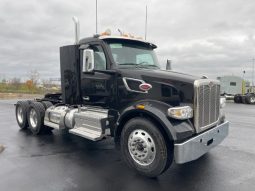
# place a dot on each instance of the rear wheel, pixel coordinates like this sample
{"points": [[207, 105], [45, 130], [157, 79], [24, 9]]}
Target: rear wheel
{"points": [[35, 117], [47, 104], [243, 98], [144, 148], [250, 99], [237, 99], [21, 113]]}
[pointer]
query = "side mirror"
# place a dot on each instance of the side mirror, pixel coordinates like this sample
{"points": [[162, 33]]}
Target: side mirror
{"points": [[168, 65], [88, 64]]}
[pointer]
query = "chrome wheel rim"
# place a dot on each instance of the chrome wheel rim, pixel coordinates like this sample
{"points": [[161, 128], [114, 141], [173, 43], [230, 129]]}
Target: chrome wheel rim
{"points": [[141, 147], [20, 114], [252, 99], [33, 118]]}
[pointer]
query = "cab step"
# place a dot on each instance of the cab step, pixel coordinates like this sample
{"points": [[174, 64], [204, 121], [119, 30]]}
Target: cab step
{"points": [[91, 123], [87, 133]]}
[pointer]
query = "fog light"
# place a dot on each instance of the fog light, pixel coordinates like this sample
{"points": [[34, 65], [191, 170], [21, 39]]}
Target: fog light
{"points": [[222, 102], [222, 116], [184, 112]]}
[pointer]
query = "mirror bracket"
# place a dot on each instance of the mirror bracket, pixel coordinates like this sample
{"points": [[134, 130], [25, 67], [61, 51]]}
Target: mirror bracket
{"points": [[168, 65]]}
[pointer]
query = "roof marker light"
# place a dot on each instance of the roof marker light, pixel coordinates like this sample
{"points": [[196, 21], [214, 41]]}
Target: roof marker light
{"points": [[106, 33]]}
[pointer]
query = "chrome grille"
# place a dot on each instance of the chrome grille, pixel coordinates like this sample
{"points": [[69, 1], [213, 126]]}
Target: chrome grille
{"points": [[206, 103]]}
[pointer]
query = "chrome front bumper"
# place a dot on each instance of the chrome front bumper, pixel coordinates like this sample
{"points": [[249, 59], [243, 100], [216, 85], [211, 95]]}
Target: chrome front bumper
{"points": [[197, 146]]}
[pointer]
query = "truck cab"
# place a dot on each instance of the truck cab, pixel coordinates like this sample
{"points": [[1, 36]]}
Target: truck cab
{"points": [[113, 86]]}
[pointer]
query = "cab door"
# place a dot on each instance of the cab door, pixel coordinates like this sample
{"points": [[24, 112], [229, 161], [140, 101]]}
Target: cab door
{"points": [[98, 87]]}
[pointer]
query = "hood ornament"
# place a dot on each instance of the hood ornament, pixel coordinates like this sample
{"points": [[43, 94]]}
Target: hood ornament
{"points": [[210, 84]]}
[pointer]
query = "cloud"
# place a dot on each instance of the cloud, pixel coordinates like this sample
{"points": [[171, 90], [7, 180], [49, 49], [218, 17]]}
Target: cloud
{"points": [[200, 36]]}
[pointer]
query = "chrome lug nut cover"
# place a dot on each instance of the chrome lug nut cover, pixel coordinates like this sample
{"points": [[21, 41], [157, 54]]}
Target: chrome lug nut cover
{"points": [[141, 147]]}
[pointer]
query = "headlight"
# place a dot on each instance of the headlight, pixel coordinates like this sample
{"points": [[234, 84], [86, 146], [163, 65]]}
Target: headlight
{"points": [[184, 112], [222, 102]]}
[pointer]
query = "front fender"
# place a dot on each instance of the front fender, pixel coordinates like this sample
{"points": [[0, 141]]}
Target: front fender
{"points": [[175, 130]]}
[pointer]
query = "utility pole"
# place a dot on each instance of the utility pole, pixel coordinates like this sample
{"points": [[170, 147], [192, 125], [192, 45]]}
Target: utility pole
{"points": [[243, 84], [253, 75], [96, 16]]}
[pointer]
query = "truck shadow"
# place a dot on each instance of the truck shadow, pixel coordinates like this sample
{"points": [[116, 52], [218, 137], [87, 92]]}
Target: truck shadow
{"points": [[101, 161]]}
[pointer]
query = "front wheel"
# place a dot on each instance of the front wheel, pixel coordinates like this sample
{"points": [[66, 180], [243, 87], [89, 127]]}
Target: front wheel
{"points": [[144, 148], [243, 98]]}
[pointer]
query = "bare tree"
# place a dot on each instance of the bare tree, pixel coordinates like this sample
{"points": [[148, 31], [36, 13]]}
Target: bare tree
{"points": [[4, 81], [46, 83], [33, 75], [15, 82]]}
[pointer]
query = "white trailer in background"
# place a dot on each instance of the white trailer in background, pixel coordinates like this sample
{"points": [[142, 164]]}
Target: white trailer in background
{"points": [[231, 85]]}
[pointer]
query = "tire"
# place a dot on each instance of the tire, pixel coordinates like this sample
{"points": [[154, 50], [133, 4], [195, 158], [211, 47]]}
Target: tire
{"points": [[21, 113], [35, 117], [243, 99], [46, 104], [151, 160], [250, 99], [237, 99]]}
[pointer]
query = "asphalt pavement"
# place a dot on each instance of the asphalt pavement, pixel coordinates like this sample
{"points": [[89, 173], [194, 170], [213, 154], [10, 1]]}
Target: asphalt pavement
{"points": [[66, 162]]}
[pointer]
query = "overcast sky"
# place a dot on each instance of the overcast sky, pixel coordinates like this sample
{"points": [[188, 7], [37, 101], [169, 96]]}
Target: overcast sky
{"points": [[201, 37]]}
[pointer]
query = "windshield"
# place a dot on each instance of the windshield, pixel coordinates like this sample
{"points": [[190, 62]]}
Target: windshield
{"points": [[133, 54]]}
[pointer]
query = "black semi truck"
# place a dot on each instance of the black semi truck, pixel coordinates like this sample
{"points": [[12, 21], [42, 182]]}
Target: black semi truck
{"points": [[112, 86], [248, 98]]}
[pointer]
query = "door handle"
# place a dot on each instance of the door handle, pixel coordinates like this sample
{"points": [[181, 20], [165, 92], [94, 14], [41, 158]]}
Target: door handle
{"points": [[86, 98]]}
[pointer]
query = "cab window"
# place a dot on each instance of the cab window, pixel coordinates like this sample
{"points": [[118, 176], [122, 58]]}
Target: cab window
{"points": [[133, 54], [99, 57]]}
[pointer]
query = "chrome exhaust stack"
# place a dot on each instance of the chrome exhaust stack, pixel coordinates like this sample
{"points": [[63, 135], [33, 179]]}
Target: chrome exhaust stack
{"points": [[76, 30]]}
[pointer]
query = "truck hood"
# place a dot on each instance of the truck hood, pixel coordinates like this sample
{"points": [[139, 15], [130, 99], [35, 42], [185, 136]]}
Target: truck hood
{"points": [[161, 74], [171, 87]]}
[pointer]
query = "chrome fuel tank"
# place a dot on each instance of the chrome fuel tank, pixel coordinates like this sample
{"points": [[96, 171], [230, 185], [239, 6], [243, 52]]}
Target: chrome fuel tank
{"points": [[60, 117]]}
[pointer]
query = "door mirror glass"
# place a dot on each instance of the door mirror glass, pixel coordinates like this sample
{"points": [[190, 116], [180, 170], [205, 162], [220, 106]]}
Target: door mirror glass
{"points": [[88, 64]]}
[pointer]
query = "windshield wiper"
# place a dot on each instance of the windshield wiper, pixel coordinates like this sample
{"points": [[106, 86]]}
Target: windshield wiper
{"points": [[129, 64], [149, 65], [139, 65]]}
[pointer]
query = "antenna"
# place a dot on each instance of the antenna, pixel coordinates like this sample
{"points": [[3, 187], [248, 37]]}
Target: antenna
{"points": [[146, 18], [121, 33], [96, 16]]}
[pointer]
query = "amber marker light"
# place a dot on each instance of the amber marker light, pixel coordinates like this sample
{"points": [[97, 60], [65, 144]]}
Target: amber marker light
{"points": [[140, 106]]}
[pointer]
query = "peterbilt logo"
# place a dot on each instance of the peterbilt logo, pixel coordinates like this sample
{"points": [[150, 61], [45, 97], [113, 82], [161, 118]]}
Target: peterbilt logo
{"points": [[145, 87], [210, 84]]}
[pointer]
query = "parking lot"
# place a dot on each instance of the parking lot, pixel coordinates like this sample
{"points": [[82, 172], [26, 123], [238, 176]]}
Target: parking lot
{"points": [[66, 162]]}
